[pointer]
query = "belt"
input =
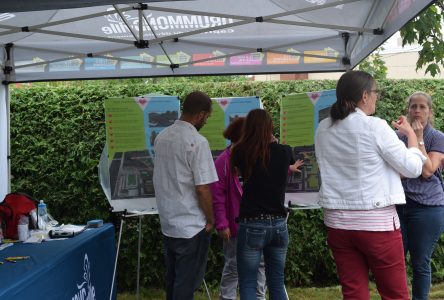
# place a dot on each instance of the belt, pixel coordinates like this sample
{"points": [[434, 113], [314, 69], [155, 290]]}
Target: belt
{"points": [[261, 217]]}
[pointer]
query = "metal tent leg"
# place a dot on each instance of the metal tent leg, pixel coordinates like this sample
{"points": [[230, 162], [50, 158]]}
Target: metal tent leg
{"points": [[138, 257], [117, 257], [206, 288]]}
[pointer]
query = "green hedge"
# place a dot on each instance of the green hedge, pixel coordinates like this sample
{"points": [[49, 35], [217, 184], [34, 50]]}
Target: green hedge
{"points": [[58, 133]]}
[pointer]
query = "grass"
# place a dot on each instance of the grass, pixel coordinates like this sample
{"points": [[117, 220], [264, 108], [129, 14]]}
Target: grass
{"points": [[327, 293]]}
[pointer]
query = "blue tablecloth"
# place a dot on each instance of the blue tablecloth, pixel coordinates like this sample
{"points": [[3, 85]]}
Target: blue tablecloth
{"points": [[77, 268]]}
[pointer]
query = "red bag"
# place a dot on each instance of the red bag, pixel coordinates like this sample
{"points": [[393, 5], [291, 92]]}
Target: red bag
{"points": [[13, 206]]}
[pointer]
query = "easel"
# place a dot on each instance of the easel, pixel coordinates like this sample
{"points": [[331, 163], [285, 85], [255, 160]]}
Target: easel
{"points": [[125, 214], [290, 208]]}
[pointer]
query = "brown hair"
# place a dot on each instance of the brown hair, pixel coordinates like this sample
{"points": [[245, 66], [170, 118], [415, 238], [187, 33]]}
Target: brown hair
{"points": [[195, 103], [234, 131], [349, 91], [254, 143]]}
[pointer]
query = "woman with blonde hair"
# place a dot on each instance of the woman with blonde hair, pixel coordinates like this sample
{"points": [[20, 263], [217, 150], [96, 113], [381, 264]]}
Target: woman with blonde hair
{"points": [[422, 218]]}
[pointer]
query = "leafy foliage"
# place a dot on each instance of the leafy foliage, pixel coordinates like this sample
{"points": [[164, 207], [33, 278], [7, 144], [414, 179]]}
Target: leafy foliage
{"points": [[57, 136], [426, 30], [375, 65]]}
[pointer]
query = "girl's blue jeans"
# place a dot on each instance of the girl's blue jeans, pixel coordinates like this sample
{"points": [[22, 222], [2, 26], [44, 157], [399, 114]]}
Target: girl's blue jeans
{"points": [[267, 237]]}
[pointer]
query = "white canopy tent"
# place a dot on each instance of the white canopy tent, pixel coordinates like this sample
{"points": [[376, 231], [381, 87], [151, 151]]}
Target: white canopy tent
{"points": [[79, 39]]}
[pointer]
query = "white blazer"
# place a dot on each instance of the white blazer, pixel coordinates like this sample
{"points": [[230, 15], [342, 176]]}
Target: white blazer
{"points": [[360, 160]]}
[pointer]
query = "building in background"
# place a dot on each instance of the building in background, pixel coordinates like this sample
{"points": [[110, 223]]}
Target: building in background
{"points": [[400, 62]]}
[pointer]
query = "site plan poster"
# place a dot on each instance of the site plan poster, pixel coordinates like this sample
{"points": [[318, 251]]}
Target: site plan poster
{"points": [[225, 110], [132, 124], [299, 118]]}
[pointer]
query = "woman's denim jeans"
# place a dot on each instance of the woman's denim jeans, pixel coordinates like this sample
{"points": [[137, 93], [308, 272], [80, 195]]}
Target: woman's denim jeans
{"points": [[269, 237], [421, 227]]}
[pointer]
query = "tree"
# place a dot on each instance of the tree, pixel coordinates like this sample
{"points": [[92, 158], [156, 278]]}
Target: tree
{"points": [[375, 65], [426, 30]]}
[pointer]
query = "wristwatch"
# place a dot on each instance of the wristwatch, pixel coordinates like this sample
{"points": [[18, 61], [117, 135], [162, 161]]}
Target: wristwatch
{"points": [[421, 143]]}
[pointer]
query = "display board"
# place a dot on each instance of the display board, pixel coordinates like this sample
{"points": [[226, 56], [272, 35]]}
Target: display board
{"points": [[299, 118], [132, 124], [126, 166], [225, 110]]}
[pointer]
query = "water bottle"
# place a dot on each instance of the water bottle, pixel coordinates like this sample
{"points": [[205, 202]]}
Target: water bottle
{"points": [[42, 215]]}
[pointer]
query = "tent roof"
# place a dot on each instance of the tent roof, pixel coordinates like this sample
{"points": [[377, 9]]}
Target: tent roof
{"points": [[55, 40]]}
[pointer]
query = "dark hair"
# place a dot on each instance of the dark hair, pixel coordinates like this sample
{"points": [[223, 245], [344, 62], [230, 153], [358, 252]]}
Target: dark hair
{"points": [[196, 102], [349, 92], [254, 143], [234, 131]]}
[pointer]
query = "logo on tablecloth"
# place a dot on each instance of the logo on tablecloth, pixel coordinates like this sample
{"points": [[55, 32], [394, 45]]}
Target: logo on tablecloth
{"points": [[86, 290]]}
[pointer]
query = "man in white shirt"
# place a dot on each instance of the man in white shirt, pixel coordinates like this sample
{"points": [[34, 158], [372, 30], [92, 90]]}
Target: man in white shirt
{"points": [[183, 172]]}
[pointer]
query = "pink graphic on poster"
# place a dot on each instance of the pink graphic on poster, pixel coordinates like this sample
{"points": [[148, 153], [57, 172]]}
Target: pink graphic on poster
{"points": [[314, 96], [223, 102], [213, 62], [246, 59]]}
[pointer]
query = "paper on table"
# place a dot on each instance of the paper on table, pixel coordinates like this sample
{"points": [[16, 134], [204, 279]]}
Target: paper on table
{"points": [[6, 245], [34, 239], [72, 228], [36, 236]]}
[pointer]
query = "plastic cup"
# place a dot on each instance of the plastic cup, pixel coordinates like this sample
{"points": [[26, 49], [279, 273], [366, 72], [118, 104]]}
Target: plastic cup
{"points": [[23, 232]]}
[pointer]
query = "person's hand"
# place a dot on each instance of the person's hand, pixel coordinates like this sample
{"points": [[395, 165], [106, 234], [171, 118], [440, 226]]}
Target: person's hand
{"points": [[403, 126], [295, 167], [208, 227], [418, 129], [225, 234]]}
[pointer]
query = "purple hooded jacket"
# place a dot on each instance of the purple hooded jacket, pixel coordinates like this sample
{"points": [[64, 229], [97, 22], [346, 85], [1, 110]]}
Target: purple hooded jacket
{"points": [[227, 194]]}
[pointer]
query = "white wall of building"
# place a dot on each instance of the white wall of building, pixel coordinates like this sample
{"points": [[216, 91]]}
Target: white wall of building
{"points": [[400, 62], [400, 65]]}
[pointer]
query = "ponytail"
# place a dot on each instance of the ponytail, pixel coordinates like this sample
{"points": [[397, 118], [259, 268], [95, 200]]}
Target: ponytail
{"points": [[339, 111], [349, 91]]}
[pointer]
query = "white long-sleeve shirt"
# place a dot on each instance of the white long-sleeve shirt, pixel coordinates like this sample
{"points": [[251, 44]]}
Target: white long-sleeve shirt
{"points": [[360, 160]]}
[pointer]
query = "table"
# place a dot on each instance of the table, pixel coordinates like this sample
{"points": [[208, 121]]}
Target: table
{"points": [[77, 268]]}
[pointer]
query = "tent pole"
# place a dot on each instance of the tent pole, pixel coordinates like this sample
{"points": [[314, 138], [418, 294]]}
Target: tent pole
{"points": [[8, 135], [346, 59], [5, 136], [5, 166]]}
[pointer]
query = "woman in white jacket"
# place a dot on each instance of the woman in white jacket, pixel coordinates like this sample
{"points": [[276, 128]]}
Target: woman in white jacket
{"points": [[361, 159]]}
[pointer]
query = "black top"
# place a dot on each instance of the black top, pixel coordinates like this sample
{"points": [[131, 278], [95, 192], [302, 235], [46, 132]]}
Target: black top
{"points": [[264, 191]]}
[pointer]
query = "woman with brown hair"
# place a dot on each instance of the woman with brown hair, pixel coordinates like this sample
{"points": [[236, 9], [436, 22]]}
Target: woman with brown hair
{"points": [[264, 165], [361, 159], [227, 195]]}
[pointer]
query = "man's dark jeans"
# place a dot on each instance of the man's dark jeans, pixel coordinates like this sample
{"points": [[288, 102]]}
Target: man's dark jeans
{"points": [[186, 261]]}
